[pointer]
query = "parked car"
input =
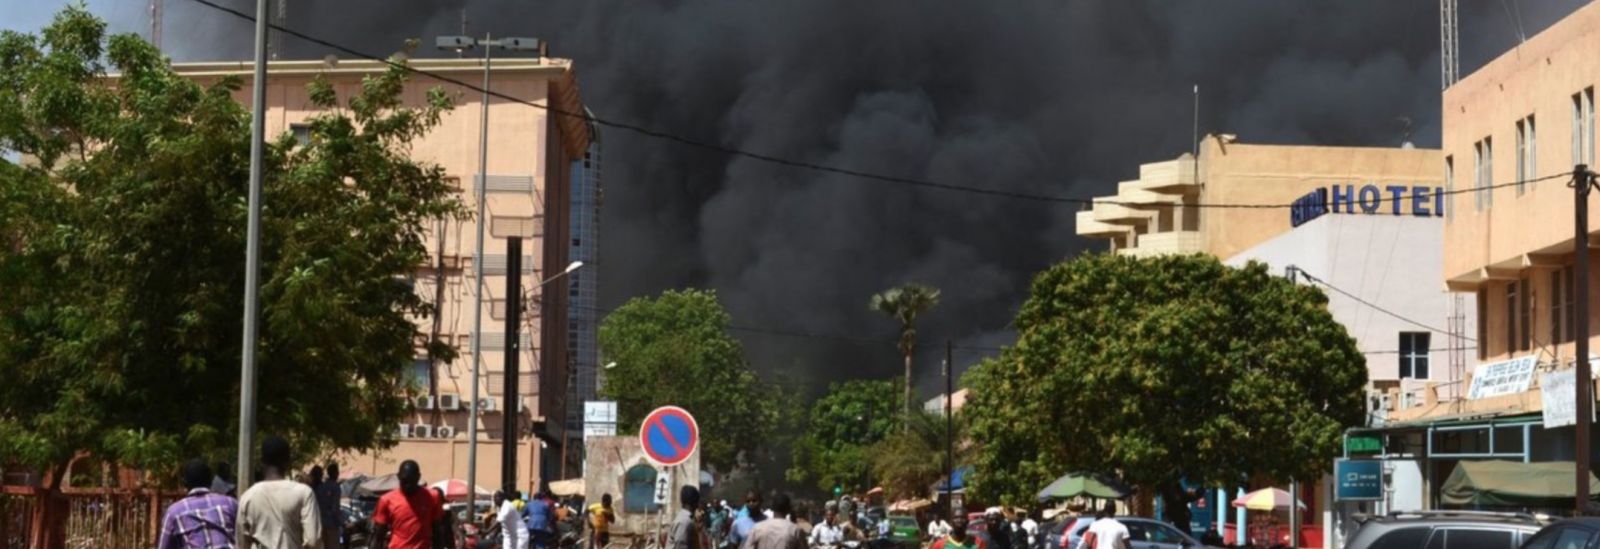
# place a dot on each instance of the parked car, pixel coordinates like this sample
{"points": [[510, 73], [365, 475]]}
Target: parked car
{"points": [[1446, 530], [1578, 533], [904, 531], [1067, 532], [1143, 533]]}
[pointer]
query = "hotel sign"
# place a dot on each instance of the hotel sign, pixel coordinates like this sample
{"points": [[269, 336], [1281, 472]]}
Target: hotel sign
{"points": [[1502, 378], [1419, 201]]}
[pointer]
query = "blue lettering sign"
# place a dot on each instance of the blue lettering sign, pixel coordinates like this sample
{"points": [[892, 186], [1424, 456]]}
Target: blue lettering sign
{"points": [[1344, 198], [1438, 201], [1419, 202], [1358, 480], [1395, 192], [1369, 200]]}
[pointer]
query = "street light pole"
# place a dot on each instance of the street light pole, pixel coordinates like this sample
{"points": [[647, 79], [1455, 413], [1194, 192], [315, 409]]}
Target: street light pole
{"points": [[488, 43], [1582, 182], [252, 254]]}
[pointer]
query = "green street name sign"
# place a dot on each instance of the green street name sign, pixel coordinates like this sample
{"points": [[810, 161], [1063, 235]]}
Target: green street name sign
{"points": [[1363, 444]]}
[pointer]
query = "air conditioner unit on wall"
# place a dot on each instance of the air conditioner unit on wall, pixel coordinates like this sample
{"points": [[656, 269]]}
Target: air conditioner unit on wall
{"points": [[449, 402], [425, 403], [422, 430], [486, 405], [403, 431], [445, 431]]}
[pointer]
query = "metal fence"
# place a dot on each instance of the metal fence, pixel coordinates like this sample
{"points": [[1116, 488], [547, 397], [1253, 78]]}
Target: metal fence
{"points": [[81, 518]]}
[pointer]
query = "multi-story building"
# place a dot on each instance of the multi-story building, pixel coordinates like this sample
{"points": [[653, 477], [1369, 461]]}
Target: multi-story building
{"points": [[1512, 132], [531, 155], [584, 292]]}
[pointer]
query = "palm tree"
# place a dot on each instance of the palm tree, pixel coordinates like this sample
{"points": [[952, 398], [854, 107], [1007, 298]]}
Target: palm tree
{"points": [[905, 304]]}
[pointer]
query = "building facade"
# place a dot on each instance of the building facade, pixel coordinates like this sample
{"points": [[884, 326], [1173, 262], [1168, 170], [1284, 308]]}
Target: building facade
{"points": [[531, 155], [584, 292], [1169, 208]]}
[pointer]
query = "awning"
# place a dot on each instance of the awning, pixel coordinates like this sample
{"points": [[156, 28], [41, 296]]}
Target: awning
{"points": [[1514, 484], [960, 476], [1092, 485], [910, 504], [569, 487]]}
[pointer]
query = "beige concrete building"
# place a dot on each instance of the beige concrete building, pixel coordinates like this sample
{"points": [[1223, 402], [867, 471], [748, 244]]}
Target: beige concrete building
{"points": [[531, 153], [1158, 212]]}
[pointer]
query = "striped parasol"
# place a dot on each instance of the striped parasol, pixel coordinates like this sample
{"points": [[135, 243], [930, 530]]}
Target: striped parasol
{"points": [[1266, 499]]}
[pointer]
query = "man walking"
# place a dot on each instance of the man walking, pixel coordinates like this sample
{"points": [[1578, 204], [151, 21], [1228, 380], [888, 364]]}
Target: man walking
{"points": [[685, 534], [749, 515], [278, 513], [513, 530], [1106, 532], [957, 537], [406, 516], [778, 532], [327, 492], [600, 518], [202, 519]]}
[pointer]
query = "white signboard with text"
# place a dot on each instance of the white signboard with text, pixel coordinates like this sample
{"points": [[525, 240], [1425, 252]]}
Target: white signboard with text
{"points": [[599, 430], [599, 411], [1559, 391], [1502, 378]]}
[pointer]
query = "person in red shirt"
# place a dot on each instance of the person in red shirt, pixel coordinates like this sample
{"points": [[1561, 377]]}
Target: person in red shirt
{"points": [[405, 517]]}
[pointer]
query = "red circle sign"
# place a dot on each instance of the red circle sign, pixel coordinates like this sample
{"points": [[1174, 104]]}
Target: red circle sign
{"points": [[669, 436]]}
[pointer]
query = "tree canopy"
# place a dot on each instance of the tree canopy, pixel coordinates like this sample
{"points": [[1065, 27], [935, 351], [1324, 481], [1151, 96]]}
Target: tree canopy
{"points": [[841, 428], [1161, 369], [905, 304], [675, 349], [122, 243], [914, 458]]}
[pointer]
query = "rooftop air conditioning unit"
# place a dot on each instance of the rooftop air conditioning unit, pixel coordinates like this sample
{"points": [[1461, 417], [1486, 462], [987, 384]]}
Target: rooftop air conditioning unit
{"points": [[486, 404], [449, 402], [425, 403], [422, 430], [445, 431], [404, 431]]}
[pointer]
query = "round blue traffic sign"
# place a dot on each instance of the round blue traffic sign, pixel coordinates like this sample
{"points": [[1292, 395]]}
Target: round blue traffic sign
{"points": [[669, 435]]}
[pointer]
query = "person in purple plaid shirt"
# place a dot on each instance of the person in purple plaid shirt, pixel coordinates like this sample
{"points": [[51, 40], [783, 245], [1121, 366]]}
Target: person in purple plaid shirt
{"points": [[201, 520]]}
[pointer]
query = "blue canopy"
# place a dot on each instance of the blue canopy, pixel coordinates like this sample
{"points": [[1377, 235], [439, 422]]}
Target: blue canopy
{"points": [[960, 476]]}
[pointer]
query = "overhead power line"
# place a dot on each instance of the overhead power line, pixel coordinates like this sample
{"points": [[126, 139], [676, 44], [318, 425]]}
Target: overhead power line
{"points": [[1374, 306], [768, 158]]}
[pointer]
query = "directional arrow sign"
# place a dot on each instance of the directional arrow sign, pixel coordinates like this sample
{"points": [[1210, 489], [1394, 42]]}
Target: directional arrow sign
{"points": [[669, 436]]}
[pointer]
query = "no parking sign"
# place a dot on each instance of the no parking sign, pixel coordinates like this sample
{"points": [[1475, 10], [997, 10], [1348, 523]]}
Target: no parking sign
{"points": [[669, 436]]}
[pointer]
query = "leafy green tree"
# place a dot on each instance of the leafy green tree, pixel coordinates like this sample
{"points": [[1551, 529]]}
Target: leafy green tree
{"points": [[839, 430], [1161, 369], [905, 304], [675, 349], [122, 247], [915, 458]]}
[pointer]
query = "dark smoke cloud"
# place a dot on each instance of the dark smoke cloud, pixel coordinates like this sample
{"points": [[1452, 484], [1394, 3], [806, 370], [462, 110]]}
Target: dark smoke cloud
{"points": [[1039, 96]]}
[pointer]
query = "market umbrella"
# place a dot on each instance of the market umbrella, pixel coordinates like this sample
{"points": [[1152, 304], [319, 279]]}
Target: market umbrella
{"points": [[1266, 499], [1092, 485], [376, 486], [568, 487], [455, 489]]}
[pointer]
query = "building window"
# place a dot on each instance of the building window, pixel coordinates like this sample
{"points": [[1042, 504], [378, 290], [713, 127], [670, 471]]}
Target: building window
{"points": [[638, 491], [1414, 355], [1449, 188], [1483, 173], [1583, 127], [1483, 323], [1516, 318], [302, 133], [422, 372], [1563, 307], [1526, 153], [1525, 317]]}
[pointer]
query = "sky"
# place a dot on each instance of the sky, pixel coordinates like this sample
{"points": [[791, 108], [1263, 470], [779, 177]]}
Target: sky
{"points": [[1046, 97]]}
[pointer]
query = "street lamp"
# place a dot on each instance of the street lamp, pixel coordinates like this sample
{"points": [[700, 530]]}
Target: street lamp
{"points": [[488, 43]]}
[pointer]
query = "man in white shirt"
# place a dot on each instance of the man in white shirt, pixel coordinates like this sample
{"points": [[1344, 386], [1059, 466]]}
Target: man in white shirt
{"points": [[1106, 532], [1032, 528], [278, 513], [828, 532], [513, 532], [938, 528]]}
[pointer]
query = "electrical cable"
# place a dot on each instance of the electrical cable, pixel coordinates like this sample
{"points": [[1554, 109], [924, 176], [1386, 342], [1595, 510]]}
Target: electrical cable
{"points": [[1358, 299], [764, 157]]}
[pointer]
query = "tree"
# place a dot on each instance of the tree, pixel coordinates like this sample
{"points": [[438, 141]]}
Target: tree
{"points": [[1161, 370], [911, 460], [905, 304], [840, 429], [122, 247], [675, 349]]}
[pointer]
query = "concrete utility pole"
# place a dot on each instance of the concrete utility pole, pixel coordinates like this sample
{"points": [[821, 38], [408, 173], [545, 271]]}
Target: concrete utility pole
{"points": [[252, 254], [511, 420], [949, 432], [1582, 182]]}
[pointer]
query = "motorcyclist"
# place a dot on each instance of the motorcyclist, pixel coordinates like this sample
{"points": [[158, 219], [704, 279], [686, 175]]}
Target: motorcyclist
{"points": [[828, 533]]}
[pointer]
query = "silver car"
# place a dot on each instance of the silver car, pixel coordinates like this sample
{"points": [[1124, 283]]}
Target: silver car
{"points": [[1143, 533]]}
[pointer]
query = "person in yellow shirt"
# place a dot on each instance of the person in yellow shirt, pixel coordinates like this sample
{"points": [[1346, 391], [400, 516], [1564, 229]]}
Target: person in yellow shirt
{"points": [[600, 518]]}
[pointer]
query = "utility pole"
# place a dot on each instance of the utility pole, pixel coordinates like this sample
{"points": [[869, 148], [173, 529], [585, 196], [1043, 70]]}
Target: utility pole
{"points": [[1582, 182], [949, 433], [252, 254], [511, 424], [155, 23]]}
